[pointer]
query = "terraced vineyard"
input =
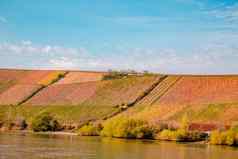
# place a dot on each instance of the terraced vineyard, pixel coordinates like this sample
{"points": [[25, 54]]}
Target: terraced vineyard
{"points": [[104, 93], [63, 94], [159, 90], [192, 90], [202, 98], [121, 91]]}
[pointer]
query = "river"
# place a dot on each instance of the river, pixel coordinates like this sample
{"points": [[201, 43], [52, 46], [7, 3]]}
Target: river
{"points": [[35, 146]]}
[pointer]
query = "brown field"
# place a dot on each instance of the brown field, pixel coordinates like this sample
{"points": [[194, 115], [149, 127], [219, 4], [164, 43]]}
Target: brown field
{"points": [[11, 75], [17, 93], [33, 77], [40, 77], [9, 78], [80, 77], [207, 127]]}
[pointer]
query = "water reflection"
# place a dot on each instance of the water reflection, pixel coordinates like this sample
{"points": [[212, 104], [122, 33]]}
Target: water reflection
{"points": [[50, 146]]}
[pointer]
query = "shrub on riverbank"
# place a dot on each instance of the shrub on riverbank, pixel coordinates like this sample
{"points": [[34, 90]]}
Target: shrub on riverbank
{"points": [[90, 130], [123, 127], [229, 137], [45, 122], [180, 135]]}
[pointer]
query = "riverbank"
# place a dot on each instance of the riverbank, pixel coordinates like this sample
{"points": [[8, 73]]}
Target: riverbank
{"points": [[29, 146], [225, 138]]}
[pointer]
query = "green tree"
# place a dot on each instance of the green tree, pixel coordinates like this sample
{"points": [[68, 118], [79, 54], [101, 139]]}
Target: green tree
{"points": [[45, 122]]}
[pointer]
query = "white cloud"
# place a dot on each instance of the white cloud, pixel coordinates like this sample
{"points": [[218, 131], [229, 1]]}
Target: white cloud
{"points": [[206, 61], [26, 42], [3, 19], [216, 57], [63, 63], [27, 47]]}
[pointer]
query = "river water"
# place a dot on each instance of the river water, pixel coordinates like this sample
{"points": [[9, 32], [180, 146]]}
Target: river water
{"points": [[32, 146]]}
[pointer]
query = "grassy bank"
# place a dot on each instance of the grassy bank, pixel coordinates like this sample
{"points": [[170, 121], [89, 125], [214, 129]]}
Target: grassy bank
{"points": [[70, 117]]}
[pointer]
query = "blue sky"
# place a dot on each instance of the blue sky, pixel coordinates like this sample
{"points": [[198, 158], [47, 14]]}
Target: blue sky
{"points": [[172, 36]]}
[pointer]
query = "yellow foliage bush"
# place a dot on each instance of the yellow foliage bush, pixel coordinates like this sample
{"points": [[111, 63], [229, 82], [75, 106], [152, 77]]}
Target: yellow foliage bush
{"points": [[122, 127], [228, 137], [89, 130], [180, 135]]}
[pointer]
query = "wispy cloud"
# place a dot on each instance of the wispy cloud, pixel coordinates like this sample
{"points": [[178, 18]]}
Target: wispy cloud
{"points": [[3, 19], [226, 13], [63, 62], [27, 47], [216, 57]]}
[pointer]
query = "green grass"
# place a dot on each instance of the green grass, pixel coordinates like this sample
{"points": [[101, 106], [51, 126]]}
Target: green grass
{"points": [[66, 115]]}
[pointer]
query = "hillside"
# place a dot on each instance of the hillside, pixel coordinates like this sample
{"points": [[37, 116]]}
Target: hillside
{"points": [[202, 98], [76, 97]]}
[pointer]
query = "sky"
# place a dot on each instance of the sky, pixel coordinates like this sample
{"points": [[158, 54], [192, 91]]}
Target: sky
{"points": [[164, 36]]}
